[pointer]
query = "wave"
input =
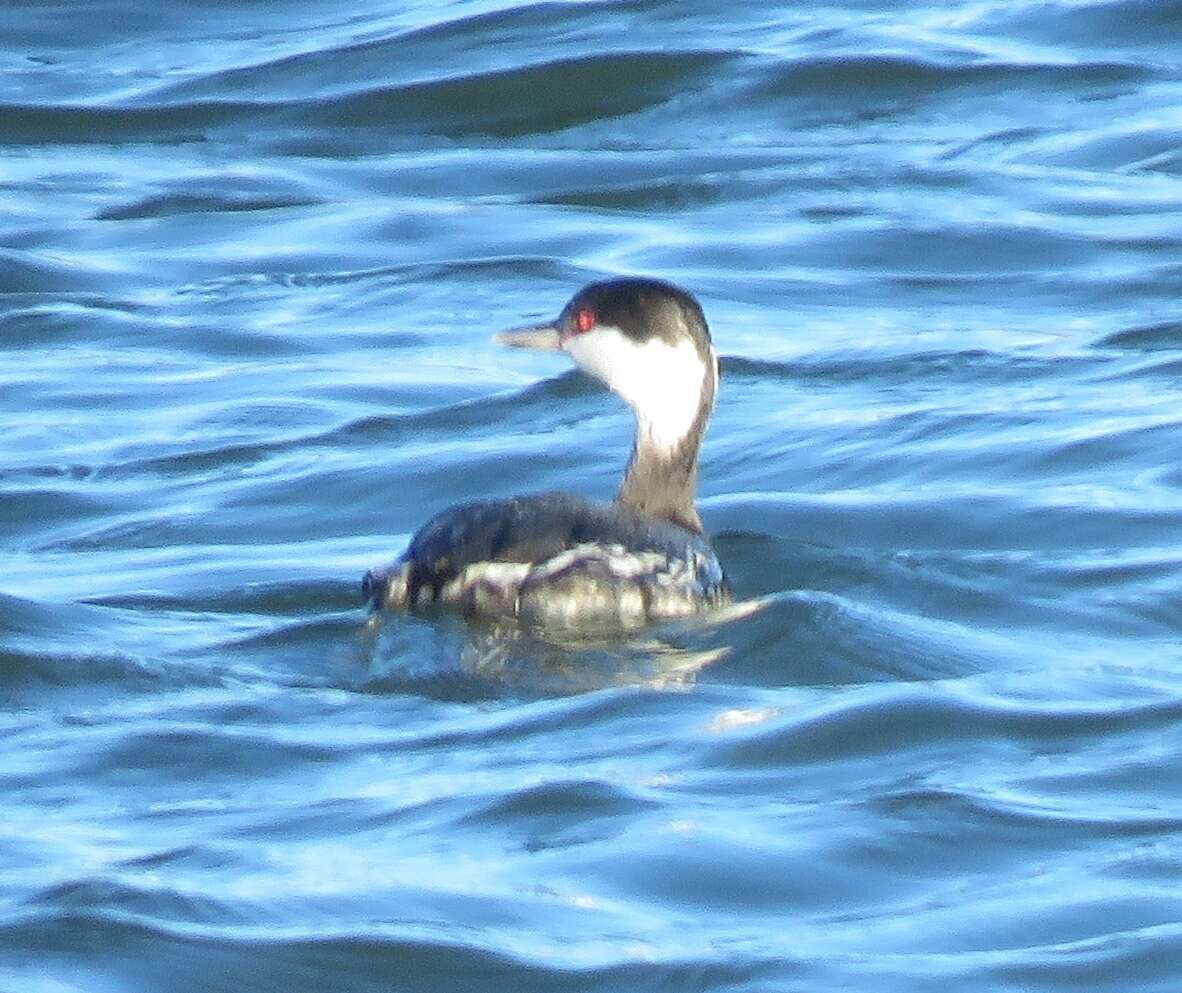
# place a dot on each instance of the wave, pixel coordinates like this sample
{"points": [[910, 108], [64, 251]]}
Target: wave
{"points": [[536, 98], [483, 42], [860, 78], [897, 719], [156, 954], [1163, 336], [1106, 26]]}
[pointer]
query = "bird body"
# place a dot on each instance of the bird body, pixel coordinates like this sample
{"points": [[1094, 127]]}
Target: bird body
{"points": [[556, 560]]}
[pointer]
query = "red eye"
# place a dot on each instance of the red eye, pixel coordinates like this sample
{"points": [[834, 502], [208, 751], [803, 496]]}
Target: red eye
{"points": [[584, 321]]}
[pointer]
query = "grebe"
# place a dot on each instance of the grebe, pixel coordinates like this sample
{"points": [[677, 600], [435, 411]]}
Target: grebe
{"points": [[555, 560]]}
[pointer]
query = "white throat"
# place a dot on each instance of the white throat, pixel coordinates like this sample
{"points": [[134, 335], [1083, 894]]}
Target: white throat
{"points": [[662, 383]]}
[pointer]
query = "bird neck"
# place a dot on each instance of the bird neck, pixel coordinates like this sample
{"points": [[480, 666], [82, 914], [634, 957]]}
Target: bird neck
{"points": [[662, 474]]}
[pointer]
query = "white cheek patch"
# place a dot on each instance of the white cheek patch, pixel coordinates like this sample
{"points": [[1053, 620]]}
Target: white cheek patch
{"points": [[662, 383]]}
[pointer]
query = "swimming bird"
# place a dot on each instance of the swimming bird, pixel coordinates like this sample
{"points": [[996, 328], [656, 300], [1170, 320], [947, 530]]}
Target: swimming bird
{"points": [[556, 560]]}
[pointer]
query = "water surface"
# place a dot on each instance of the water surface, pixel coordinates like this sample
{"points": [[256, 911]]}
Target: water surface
{"points": [[250, 260]]}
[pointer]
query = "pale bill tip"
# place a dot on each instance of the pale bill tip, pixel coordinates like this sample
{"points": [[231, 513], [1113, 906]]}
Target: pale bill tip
{"points": [[544, 337]]}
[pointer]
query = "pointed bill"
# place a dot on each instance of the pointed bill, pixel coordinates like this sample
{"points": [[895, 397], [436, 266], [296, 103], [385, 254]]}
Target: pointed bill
{"points": [[544, 337]]}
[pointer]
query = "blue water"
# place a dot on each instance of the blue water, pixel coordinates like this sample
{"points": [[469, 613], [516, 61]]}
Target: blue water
{"points": [[251, 255]]}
